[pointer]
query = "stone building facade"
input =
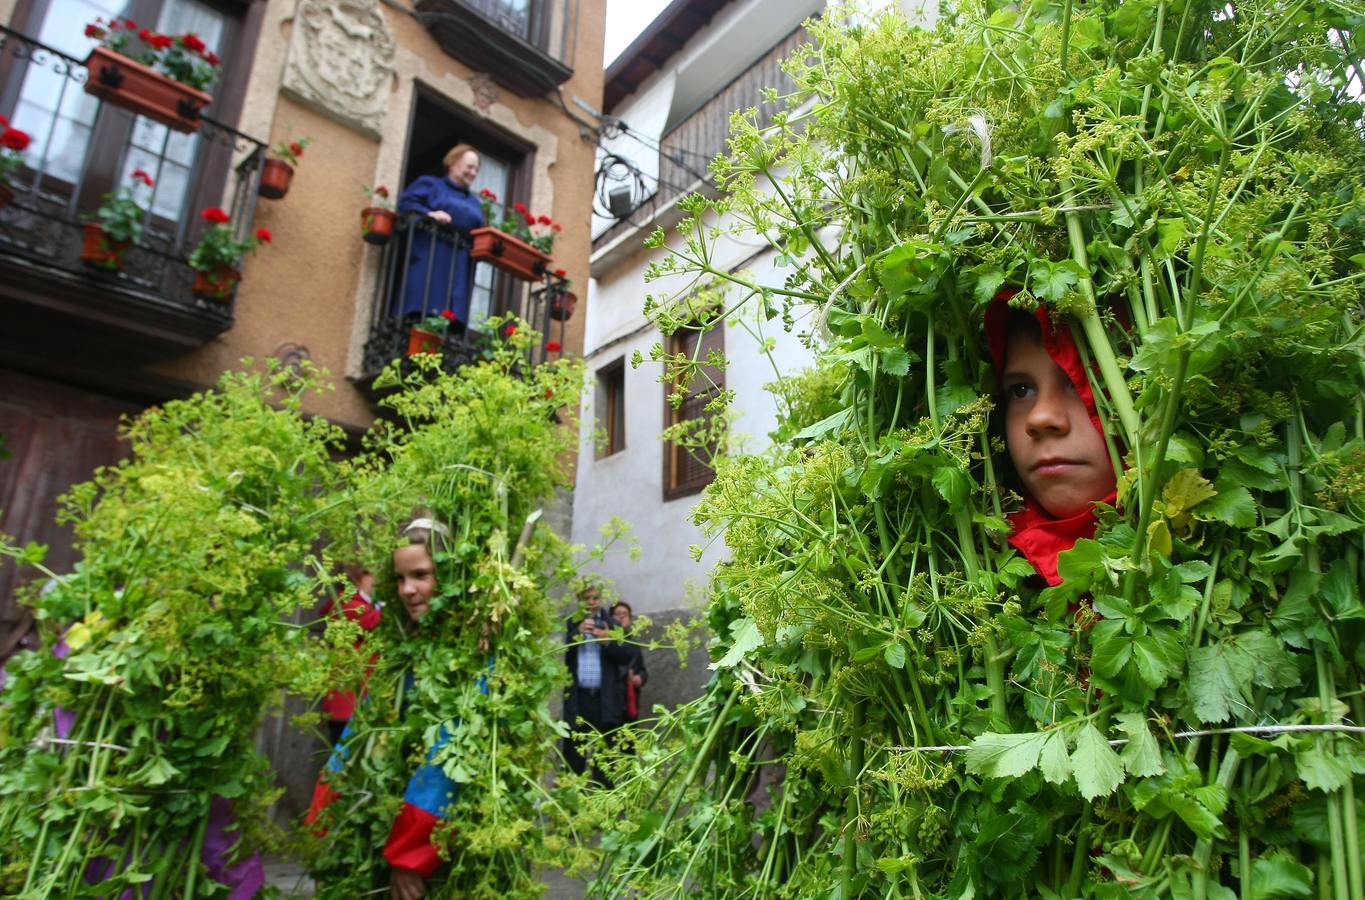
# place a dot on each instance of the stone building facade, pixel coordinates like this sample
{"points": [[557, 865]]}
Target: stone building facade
{"points": [[382, 87]]}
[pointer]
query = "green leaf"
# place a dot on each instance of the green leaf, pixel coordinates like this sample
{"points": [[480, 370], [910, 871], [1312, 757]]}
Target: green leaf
{"points": [[1170, 234], [1052, 281], [1096, 766], [1320, 770], [1214, 687], [1233, 505], [1005, 755], [895, 655], [895, 361], [1141, 756], [825, 426], [746, 639], [1279, 875], [988, 281], [1081, 562], [952, 484], [1053, 761]]}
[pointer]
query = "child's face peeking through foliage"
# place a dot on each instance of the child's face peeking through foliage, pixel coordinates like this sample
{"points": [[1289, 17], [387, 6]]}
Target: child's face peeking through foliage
{"points": [[415, 574], [1059, 454]]}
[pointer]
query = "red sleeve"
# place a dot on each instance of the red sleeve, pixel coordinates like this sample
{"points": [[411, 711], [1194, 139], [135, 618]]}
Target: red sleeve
{"points": [[323, 795], [358, 609], [409, 845]]}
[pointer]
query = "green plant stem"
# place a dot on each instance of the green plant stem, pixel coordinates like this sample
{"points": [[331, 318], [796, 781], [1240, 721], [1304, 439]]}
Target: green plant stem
{"points": [[854, 802], [1203, 848]]}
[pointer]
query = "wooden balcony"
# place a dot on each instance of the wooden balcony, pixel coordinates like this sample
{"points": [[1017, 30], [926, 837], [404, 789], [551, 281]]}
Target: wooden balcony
{"points": [[50, 300]]}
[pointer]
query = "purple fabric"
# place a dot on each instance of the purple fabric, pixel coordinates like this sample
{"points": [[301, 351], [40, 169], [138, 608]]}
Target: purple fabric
{"points": [[62, 720], [243, 878]]}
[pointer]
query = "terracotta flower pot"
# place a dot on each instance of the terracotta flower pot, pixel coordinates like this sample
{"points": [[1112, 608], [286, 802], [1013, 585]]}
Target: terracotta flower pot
{"points": [[508, 254], [421, 341], [217, 284], [98, 250], [275, 178], [6, 195], [128, 84], [377, 224], [563, 305]]}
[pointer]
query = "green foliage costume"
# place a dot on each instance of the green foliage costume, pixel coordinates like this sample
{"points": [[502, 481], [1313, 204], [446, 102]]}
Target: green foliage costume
{"points": [[936, 725], [483, 451]]}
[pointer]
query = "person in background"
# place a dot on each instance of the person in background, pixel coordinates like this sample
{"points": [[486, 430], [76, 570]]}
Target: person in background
{"points": [[596, 700], [634, 672], [360, 608], [440, 272]]}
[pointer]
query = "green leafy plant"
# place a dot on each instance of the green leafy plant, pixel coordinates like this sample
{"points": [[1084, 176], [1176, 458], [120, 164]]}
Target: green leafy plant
{"points": [[518, 221], [291, 151], [439, 323], [479, 450], [219, 248], [120, 214], [898, 710], [184, 58], [378, 197], [195, 552], [13, 143]]}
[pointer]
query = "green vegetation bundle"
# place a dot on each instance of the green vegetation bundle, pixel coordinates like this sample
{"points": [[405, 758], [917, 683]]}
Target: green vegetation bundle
{"points": [[195, 552], [898, 711], [480, 452]]}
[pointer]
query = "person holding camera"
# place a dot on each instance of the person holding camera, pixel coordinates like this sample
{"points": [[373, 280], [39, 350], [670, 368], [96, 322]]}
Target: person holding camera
{"points": [[596, 701]]}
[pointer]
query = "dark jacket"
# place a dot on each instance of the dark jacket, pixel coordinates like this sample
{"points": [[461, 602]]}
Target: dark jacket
{"points": [[636, 665], [615, 657]]}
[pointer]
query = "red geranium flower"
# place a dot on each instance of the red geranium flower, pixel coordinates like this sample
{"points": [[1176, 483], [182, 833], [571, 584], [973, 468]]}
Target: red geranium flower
{"points": [[14, 139], [557, 227], [552, 347], [448, 315], [263, 235], [296, 148], [549, 392], [489, 194], [94, 31], [381, 191], [142, 176], [520, 207], [193, 42], [128, 23], [545, 220], [560, 273], [215, 215], [510, 330], [211, 58]]}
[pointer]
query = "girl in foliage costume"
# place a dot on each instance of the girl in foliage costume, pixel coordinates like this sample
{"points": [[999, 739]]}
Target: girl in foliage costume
{"points": [[480, 448], [945, 730], [1053, 435], [408, 849]]}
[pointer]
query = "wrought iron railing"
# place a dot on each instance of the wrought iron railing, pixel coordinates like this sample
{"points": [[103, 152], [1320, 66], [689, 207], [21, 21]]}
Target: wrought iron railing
{"points": [[399, 278], [58, 187]]}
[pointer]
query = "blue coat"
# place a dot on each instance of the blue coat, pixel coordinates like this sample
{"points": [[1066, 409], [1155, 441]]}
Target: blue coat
{"points": [[432, 252]]}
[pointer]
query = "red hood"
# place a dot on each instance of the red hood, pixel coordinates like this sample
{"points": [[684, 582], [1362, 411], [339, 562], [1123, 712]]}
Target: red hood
{"points": [[1033, 532]]}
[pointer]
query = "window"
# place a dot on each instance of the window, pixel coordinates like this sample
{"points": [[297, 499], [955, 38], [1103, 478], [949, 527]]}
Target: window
{"points": [[611, 407], [687, 464]]}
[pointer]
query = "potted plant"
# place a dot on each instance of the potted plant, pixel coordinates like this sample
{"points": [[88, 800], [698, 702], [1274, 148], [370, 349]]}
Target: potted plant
{"points": [[164, 80], [117, 226], [278, 171], [13, 143], [518, 244], [377, 219], [428, 335], [563, 301], [216, 257]]}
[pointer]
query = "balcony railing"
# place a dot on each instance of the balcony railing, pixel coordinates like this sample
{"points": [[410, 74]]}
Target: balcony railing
{"points": [[526, 46], [686, 149], [398, 278], [83, 147]]}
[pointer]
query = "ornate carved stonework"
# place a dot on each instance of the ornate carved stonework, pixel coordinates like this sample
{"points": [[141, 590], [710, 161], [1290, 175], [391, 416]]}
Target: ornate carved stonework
{"points": [[341, 61], [485, 91]]}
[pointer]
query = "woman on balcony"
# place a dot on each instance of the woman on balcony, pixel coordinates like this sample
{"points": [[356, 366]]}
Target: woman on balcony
{"points": [[439, 275]]}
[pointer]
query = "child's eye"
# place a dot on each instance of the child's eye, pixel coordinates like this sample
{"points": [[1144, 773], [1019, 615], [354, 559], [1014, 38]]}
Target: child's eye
{"points": [[1018, 391]]}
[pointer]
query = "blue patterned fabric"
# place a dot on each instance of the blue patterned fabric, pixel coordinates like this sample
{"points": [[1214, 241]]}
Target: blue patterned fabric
{"points": [[590, 665]]}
